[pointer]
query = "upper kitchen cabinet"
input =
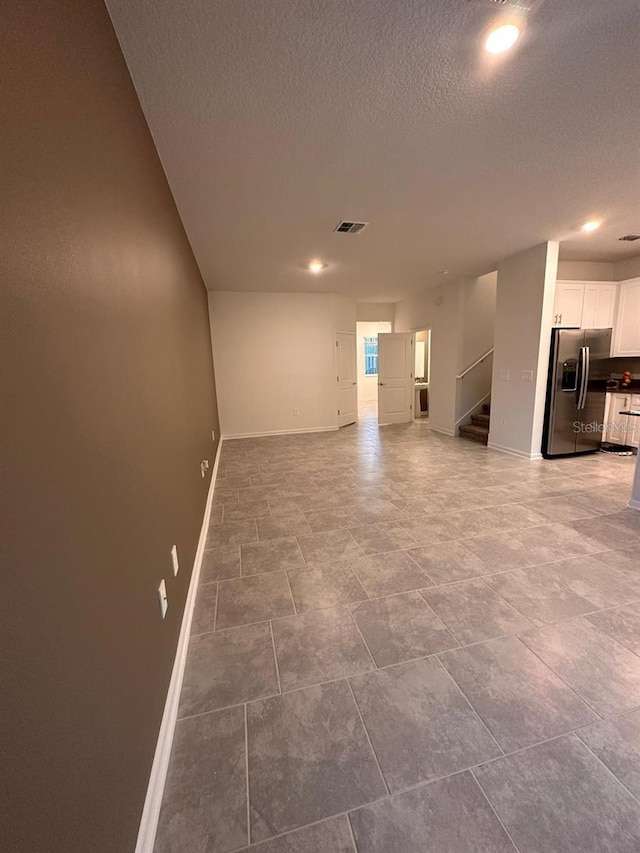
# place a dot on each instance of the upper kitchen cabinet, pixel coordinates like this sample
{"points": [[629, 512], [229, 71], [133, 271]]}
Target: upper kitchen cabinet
{"points": [[567, 308], [626, 335], [599, 306], [585, 304]]}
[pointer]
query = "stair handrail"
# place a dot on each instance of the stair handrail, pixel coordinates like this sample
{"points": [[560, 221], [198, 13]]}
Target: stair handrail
{"points": [[475, 363], [472, 409]]}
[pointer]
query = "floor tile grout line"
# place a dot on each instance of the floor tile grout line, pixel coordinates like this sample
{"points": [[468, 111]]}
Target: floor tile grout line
{"points": [[481, 578], [366, 645], [557, 674], [368, 736], [469, 703], [246, 753], [293, 601], [275, 657], [330, 817], [495, 812], [607, 633], [351, 834], [449, 628], [606, 767], [470, 769], [568, 619], [215, 609], [461, 539], [419, 590]]}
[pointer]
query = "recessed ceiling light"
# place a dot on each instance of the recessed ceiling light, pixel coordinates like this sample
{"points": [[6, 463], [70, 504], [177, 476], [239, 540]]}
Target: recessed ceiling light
{"points": [[592, 225], [501, 38], [316, 266]]}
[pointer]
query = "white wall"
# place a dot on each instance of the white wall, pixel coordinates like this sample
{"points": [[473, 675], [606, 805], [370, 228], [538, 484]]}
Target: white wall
{"points": [[524, 313], [586, 271], [367, 385], [344, 313], [479, 314], [438, 309], [599, 270], [629, 268], [275, 352], [460, 315], [375, 312]]}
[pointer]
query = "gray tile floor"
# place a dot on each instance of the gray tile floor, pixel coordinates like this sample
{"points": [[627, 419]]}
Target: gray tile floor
{"points": [[405, 642]]}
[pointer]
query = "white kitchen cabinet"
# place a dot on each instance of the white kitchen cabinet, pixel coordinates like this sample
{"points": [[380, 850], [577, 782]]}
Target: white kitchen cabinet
{"points": [[633, 430], [621, 429], [598, 308], [585, 304], [615, 424], [567, 308], [626, 338]]}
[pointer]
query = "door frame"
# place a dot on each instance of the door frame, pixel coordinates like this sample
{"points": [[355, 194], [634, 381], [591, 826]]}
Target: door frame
{"points": [[417, 412], [355, 379]]}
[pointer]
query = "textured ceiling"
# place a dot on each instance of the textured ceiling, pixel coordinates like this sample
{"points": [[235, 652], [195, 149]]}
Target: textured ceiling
{"points": [[275, 119]]}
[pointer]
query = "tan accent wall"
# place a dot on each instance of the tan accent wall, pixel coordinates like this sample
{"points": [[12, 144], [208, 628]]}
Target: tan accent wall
{"points": [[108, 402]]}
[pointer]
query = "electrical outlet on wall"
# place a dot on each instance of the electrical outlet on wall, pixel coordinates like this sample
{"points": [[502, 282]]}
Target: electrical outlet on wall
{"points": [[174, 560], [162, 596]]}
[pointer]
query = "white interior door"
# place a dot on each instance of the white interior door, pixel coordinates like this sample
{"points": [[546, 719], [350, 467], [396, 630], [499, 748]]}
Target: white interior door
{"points": [[347, 378], [395, 377]]}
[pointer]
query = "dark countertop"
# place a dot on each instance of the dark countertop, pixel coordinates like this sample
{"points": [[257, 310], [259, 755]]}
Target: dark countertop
{"points": [[634, 388]]}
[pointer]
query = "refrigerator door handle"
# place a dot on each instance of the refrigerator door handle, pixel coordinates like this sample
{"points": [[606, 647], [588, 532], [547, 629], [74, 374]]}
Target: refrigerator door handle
{"points": [[584, 377]]}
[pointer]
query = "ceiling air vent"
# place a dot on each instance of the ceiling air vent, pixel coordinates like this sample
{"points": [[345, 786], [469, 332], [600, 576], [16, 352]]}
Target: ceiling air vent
{"points": [[518, 5], [629, 238], [350, 227]]}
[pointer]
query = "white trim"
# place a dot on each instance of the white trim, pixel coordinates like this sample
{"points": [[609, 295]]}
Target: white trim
{"points": [[633, 503], [511, 451], [472, 409], [441, 430], [158, 776], [278, 432]]}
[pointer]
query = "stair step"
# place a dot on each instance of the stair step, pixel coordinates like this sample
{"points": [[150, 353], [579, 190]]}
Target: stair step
{"points": [[475, 433], [486, 408], [480, 420]]}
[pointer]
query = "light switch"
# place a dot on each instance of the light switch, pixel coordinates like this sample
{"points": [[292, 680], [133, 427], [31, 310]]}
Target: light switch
{"points": [[527, 375], [504, 375], [174, 560], [162, 595]]}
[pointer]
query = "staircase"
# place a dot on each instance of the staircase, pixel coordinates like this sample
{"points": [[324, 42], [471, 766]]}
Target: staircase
{"points": [[478, 429]]}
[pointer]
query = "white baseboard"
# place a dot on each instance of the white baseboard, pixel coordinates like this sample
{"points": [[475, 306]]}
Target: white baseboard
{"points": [[441, 430], [230, 437], [511, 451], [633, 503], [157, 779]]}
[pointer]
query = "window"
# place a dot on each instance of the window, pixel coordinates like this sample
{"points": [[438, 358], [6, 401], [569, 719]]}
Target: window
{"points": [[371, 356]]}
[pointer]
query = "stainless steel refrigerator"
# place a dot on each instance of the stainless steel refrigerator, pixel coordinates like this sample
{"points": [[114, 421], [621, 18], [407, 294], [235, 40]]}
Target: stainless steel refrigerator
{"points": [[576, 391]]}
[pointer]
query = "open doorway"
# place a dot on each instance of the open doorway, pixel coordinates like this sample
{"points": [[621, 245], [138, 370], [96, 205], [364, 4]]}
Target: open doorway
{"points": [[421, 372], [367, 366]]}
